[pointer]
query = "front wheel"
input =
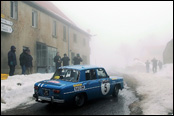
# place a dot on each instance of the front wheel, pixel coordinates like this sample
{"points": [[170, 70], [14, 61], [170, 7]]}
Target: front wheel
{"points": [[79, 100], [115, 91]]}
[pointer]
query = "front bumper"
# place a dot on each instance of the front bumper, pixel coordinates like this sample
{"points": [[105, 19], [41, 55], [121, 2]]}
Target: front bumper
{"points": [[48, 99]]}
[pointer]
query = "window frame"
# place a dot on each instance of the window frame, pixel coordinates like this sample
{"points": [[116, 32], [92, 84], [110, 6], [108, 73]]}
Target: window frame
{"points": [[14, 9], [34, 18], [54, 28], [91, 78], [104, 73]]}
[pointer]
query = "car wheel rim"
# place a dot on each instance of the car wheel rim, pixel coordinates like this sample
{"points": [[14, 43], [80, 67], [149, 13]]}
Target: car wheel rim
{"points": [[116, 90], [79, 100]]}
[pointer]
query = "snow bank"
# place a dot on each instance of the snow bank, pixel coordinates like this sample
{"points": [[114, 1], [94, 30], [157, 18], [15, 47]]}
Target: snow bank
{"points": [[19, 89], [157, 90]]}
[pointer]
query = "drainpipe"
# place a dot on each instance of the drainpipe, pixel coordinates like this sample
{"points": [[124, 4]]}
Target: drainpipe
{"points": [[68, 41]]}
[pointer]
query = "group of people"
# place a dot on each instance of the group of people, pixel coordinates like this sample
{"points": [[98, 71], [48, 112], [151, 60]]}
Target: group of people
{"points": [[155, 63], [58, 60], [25, 61]]}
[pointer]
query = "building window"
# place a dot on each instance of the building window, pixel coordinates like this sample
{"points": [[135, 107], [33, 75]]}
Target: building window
{"points": [[14, 9], [84, 41], [64, 33], [54, 29], [75, 38], [34, 18]]}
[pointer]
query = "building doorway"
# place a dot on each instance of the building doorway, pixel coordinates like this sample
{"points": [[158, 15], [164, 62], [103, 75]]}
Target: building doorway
{"points": [[72, 56]]}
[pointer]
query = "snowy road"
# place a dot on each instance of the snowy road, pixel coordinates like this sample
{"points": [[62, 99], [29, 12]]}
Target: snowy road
{"points": [[103, 106]]}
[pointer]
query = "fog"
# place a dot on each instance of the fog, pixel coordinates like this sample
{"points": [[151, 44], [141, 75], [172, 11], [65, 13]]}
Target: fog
{"points": [[123, 32]]}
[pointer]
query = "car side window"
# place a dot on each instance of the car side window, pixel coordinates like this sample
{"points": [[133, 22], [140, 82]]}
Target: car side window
{"points": [[90, 74], [93, 74], [101, 73]]}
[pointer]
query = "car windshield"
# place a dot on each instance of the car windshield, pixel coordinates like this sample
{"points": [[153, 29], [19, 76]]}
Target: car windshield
{"points": [[66, 75]]}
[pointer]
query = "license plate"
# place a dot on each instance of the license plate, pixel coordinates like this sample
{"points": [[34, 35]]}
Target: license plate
{"points": [[46, 92]]}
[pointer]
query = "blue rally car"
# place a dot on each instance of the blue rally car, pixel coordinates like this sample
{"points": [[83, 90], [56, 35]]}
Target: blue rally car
{"points": [[77, 83]]}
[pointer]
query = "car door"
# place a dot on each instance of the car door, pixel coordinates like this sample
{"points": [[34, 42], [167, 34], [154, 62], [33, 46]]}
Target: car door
{"points": [[104, 81], [92, 84]]}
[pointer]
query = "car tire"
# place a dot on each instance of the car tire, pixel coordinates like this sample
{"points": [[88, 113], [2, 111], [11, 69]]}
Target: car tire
{"points": [[79, 100], [115, 91]]}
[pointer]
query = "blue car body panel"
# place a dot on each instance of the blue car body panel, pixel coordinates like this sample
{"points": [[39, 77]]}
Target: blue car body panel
{"points": [[95, 88]]}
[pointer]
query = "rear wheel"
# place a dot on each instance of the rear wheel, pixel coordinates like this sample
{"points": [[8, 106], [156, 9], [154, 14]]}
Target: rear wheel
{"points": [[115, 91], [79, 100]]}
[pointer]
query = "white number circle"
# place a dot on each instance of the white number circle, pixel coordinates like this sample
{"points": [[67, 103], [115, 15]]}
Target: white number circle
{"points": [[105, 87]]}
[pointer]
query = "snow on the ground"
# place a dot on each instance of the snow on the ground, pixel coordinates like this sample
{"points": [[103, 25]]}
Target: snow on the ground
{"points": [[18, 89], [156, 90]]}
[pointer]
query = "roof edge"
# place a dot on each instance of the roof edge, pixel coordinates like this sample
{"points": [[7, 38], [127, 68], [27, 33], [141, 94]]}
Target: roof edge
{"points": [[55, 15]]}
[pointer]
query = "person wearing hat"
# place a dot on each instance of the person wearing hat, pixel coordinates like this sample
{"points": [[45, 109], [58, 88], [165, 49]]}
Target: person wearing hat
{"points": [[29, 64], [77, 59], [23, 60], [65, 60], [57, 60], [12, 60]]}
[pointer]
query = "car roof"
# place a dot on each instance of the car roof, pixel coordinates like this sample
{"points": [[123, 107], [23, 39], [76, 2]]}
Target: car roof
{"points": [[80, 67]]}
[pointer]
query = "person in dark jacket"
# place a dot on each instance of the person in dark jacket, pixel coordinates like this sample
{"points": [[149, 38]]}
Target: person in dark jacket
{"points": [[23, 60], [57, 60], [77, 59], [65, 60], [154, 65], [29, 64], [12, 60]]}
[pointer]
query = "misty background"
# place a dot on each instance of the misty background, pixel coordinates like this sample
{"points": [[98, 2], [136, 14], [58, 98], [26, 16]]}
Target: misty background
{"points": [[123, 31]]}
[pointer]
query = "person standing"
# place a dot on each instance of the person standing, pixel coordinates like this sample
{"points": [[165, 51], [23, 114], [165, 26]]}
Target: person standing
{"points": [[23, 60], [147, 66], [160, 64], [57, 60], [65, 60], [29, 62], [12, 60], [77, 59], [154, 65]]}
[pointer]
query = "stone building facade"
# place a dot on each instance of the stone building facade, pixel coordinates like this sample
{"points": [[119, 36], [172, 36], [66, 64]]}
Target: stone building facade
{"points": [[44, 29], [168, 53]]}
